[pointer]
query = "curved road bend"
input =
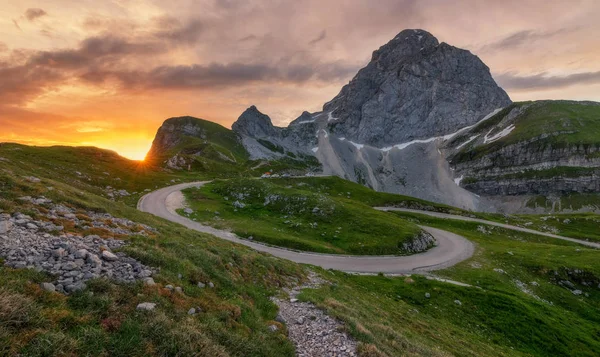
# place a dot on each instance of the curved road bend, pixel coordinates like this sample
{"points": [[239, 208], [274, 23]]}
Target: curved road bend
{"points": [[450, 249], [490, 223]]}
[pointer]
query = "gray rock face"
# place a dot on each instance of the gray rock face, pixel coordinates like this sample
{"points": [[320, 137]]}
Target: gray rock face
{"points": [[414, 88], [546, 163], [255, 124]]}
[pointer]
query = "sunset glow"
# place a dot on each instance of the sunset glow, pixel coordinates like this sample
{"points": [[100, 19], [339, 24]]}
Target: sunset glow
{"points": [[109, 73]]}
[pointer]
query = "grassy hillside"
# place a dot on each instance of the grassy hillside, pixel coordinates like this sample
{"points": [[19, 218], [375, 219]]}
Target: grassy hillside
{"points": [[102, 320], [292, 213], [504, 313], [556, 124], [518, 305], [210, 149]]}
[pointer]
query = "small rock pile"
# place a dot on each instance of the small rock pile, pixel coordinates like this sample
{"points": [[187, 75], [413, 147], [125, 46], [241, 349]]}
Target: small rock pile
{"points": [[312, 331], [55, 212], [72, 259]]}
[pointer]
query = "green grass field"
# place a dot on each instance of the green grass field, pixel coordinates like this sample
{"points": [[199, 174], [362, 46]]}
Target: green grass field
{"points": [[515, 308], [294, 214], [516, 305]]}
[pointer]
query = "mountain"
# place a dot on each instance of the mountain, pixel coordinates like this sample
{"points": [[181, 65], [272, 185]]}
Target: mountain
{"points": [[422, 119], [414, 88], [193, 144], [540, 151]]}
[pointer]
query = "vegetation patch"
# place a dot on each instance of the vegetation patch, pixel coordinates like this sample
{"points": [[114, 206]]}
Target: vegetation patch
{"points": [[290, 213]]}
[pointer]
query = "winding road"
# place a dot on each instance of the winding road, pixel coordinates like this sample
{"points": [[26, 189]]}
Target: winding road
{"points": [[490, 223], [449, 250]]}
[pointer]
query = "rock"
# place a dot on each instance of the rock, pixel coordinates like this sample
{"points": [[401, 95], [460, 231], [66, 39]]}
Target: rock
{"points": [[59, 253], [577, 292], [149, 281], [178, 290], [201, 285], [300, 320], [280, 319], [146, 306], [169, 287], [94, 260], [71, 288], [192, 311], [427, 295], [188, 210], [293, 300], [457, 302], [5, 226], [108, 256], [48, 287], [273, 328], [81, 254], [210, 284]]}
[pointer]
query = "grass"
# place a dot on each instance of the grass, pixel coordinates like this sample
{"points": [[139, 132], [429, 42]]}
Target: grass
{"points": [[102, 320], [292, 214], [212, 150], [573, 201], [543, 125], [502, 314], [496, 316]]}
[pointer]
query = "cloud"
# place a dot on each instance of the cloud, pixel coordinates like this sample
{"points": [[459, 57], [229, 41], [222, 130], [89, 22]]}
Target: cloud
{"points": [[248, 38], [543, 81], [522, 38], [216, 75], [34, 13], [319, 38]]}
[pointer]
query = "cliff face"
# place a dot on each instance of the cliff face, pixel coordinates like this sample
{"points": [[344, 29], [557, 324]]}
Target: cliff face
{"points": [[414, 88], [539, 148]]}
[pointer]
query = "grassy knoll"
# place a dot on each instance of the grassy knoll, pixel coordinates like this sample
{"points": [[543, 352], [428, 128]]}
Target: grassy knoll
{"points": [[102, 320], [293, 213]]}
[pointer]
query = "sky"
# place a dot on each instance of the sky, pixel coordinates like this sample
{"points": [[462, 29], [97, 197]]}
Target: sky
{"points": [[108, 73]]}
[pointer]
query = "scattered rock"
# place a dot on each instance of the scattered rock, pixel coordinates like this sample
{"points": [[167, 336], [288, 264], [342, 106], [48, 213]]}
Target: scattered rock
{"points": [[48, 287], [313, 332], [146, 306], [457, 302], [149, 281], [192, 311], [201, 285], [577, 292], [108, 256], [178, 290], [211, 285], [427, 295], [188, 210]]}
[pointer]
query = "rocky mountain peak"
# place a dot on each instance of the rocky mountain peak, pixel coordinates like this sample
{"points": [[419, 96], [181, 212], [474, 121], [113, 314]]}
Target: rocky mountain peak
{"points": [[414, 88], [407, 43], [253, 123]]}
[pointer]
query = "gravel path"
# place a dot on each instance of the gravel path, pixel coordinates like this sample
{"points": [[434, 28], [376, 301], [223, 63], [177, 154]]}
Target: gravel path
{"points": [[449, 250], [312, 331], [491, 223]]}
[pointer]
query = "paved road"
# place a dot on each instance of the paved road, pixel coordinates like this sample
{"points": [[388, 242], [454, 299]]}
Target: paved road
{"points": [[450, 249], [491, 223]]}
